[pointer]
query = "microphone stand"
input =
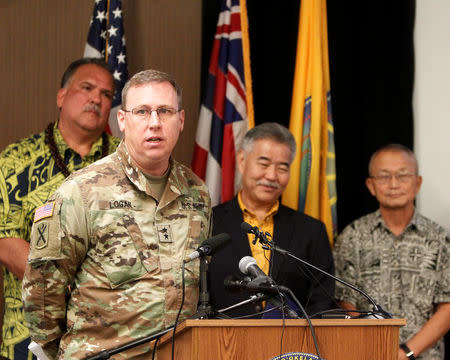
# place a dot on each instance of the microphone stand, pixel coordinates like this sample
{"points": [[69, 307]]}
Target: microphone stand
{"points": [[204, 309], [377, 309], [260, 286], [252, 299]]}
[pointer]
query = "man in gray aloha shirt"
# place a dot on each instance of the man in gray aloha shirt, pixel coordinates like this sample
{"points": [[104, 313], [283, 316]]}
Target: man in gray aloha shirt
{"points": [[399, 257]]}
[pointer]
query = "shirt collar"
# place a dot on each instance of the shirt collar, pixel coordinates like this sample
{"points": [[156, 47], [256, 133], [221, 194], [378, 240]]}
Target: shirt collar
{"points": [[416, 222], [96, 148], [419, 222], [272, 211], [176, 183]]}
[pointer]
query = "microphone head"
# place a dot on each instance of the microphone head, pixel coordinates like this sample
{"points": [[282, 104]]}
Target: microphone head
{"points": [[246, 227], [214, 244], [245, 262]]}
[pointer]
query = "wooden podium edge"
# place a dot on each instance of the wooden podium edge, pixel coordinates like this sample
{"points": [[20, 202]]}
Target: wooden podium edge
{"points": [[187, 324]]}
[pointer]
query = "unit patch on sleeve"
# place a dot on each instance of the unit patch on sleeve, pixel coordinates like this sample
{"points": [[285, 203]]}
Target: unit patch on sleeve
{"points": [[42, 236]]}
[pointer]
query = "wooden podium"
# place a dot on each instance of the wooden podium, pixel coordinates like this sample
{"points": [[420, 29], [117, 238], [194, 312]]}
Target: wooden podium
{"points": [[346, 339]]}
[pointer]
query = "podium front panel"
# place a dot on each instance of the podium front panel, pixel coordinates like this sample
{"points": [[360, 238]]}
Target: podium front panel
{"points": [[348, 339]]}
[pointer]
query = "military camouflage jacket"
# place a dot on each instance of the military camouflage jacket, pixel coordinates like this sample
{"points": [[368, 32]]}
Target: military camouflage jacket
{"points": [[120, 252]]}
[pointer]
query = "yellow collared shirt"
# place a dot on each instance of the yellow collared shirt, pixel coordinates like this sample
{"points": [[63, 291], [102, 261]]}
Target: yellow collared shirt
{"points": [[261, 256]]}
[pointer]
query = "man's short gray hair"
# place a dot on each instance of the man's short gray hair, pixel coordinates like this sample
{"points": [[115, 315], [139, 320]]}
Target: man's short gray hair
{"points": [[273, 131], [150, 76], [393, 148]]}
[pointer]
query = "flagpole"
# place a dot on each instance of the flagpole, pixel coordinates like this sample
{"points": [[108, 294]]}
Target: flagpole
{"points": [[107, 33], [247, 65]]}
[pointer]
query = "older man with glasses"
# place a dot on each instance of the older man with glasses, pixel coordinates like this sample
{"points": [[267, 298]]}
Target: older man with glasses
{"points": [[399, 257]]}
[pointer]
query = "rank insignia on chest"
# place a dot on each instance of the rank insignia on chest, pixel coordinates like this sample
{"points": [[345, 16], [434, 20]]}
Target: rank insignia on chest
{"points": [[164, 233], [44, 211]]}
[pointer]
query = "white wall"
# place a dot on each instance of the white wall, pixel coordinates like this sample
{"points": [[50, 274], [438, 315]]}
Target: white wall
{"points": [[432, 107]]}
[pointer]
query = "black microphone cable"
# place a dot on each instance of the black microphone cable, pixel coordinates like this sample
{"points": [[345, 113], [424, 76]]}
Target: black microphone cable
{"points": [[313, 332], [154, 348], [309, 274], [283, 327], [252, 315], [179, 311], [340, 313]]}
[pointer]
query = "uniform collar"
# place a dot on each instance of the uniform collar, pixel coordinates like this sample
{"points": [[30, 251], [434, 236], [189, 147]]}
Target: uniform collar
{"points": [[176, 183]]}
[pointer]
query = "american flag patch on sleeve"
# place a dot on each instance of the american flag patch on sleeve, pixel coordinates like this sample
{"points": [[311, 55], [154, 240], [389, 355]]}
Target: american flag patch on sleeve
{"points": [[44, 211]]}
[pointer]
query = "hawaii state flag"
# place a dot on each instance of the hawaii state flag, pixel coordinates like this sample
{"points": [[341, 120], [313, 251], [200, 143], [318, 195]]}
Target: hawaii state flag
{"points": [[106, 39], [227, 111], [312, 185]]}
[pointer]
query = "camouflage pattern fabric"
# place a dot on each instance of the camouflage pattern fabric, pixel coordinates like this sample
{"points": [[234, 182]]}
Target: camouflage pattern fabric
{"points": [[121, 253], [28, 176], [407, 275]]}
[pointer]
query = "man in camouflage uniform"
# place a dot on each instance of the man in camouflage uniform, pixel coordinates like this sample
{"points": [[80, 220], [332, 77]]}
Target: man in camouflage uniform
{"points": [[31, 169], [399, 257], [116, 234]]}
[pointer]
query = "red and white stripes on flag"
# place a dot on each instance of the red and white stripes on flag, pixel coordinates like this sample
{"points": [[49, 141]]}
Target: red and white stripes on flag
{"points": [[227, 110]]}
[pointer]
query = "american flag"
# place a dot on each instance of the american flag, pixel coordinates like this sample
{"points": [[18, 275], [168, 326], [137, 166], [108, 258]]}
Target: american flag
{"points": [[44, 211], [106, 39], [224, 118]]}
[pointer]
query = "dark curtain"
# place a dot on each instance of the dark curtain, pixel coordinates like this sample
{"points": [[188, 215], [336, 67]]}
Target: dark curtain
{"points": [[372, 73]]}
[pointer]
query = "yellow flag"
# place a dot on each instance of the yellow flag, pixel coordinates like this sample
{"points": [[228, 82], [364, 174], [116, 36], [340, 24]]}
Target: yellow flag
{"points": [[312, 186]]}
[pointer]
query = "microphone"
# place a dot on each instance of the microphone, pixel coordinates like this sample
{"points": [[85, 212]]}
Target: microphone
{"points": [[248, 266], [209, 246], [247, 228], [260, 283], [233, 284]]}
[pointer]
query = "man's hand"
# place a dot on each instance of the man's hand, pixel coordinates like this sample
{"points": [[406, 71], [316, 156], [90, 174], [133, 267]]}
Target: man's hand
{"points": [[14, 255], [348, 306], [434, 329], [402, 355]]}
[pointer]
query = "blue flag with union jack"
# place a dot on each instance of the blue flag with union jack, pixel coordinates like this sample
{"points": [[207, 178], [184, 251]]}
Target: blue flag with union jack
{"points": [[106, 39], [223, 119]]}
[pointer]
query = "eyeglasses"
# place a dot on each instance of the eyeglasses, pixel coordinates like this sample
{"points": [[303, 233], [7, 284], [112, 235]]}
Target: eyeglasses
{"points": [[386, 178], [143, 113]]}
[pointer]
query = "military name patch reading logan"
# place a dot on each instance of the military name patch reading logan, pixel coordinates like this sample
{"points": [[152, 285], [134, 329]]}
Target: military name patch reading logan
{"points": [[44, 211], [116, 204]]}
